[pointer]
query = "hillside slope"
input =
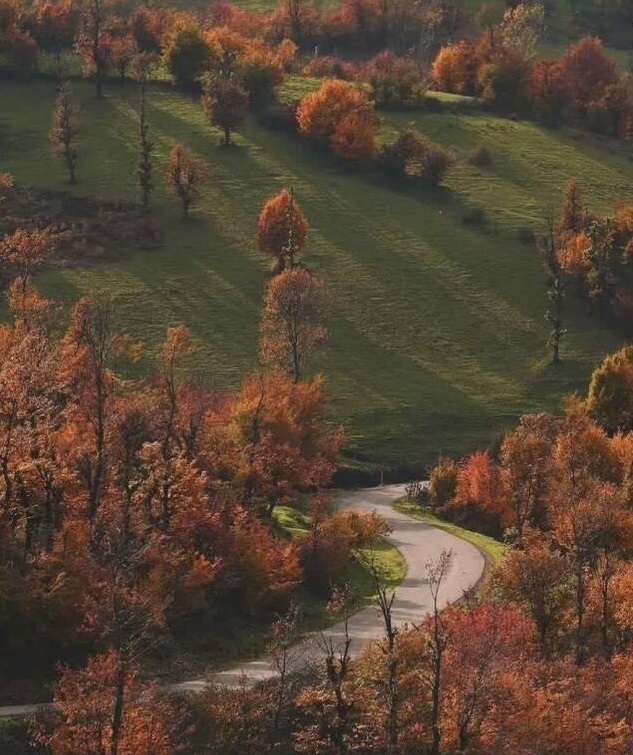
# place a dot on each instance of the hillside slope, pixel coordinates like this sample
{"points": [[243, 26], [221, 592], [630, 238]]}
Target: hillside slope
{"points": [[437, 329]]}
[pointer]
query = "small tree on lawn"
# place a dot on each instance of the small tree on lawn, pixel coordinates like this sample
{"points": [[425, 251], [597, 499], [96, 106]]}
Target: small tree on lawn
{"points": [[225, 102], [146, 146], [555, 290], [291, 327], [65, 130], [185, 175], [282, 229]]}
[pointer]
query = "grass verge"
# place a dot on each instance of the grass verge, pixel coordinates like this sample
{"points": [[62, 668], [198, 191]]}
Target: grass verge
{"points": [[491, 549], [384, 557]]}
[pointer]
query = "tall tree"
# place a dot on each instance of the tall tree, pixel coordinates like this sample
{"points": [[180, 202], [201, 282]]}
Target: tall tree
{"points": [[94, 41], [185, 175], [573, 218], [224, 102], [65, 130], [89, 348], [282, 229], [555, 290], [437, 571], [384, 601], [290, 328], [145, 145]]}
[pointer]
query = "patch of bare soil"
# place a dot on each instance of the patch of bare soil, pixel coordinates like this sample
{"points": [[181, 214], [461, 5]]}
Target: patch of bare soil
{"points": [[91, 230]]}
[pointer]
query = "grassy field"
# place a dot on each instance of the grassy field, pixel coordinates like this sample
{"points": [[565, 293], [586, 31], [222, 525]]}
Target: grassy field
{"points": [[437, 329]]}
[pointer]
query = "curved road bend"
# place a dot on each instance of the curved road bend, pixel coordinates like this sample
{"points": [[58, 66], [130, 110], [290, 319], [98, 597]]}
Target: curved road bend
{"points": [[418, 543]]}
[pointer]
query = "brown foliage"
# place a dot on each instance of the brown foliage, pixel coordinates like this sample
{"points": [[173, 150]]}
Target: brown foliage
{"points": [[455, 68], [224, 102], [105, 709], [185, 175], [291, 328]]}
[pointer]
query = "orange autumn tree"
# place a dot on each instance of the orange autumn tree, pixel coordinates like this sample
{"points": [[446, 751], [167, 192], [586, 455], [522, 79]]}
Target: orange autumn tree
{"points": [[282, 229], [482, 493], [587, 71], [26, 251], [273, 440], [455, 68], [610, 396], [354, 137], [101, 710], [335, 113]]}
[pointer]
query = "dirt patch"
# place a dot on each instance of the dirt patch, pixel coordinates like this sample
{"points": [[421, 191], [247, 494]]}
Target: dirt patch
{"points": [[92, 230]]}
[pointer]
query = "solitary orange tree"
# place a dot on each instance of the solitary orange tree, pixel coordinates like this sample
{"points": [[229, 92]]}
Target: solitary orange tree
{"points": [[282, 229]]}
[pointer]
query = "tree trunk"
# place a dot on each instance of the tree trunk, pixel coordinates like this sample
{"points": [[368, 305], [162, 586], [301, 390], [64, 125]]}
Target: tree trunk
{"points": [[117, 718]]}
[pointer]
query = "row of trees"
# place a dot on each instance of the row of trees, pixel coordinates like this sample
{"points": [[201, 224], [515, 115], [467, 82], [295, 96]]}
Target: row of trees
{"points": [[583, 86], [342, 117], [185, 172], [542, 664], [592, 255], [231, 45], [110, 43], [106, 33]]}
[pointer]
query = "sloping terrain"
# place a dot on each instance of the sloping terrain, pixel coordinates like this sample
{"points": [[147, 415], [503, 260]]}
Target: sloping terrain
{"points": [[438, 336]]}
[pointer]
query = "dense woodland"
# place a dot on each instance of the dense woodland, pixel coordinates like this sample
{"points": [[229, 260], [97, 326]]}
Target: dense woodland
{"points": [[135, 509]]}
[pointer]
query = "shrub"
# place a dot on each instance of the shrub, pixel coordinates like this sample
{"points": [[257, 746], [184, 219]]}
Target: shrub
{"points": [[325, 553], [259, 75], [475, 216], [365, 529], [279, 118], [395, 82], [436, 163], [414, 491], [414, 155], [480, 157], [324, 66], [320, 113], [443, 482], [354, 137]]}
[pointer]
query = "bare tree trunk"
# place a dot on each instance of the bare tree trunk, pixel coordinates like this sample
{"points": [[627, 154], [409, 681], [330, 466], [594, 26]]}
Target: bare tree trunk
{"points": [[436, 572]]}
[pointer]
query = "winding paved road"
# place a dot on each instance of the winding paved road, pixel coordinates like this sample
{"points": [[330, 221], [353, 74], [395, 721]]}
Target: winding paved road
{"points": [[418, 543]]}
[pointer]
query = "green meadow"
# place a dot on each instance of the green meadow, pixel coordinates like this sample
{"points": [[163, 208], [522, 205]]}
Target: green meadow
{"points": [[437, 329]]}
